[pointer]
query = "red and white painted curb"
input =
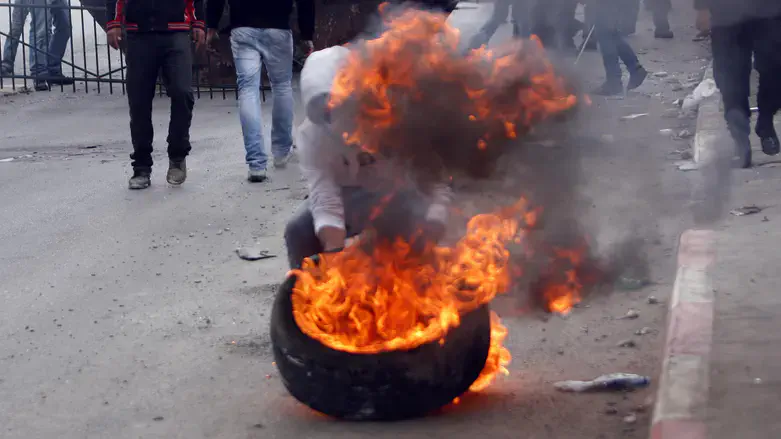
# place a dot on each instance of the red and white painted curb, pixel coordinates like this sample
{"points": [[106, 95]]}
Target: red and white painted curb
{"points": [[682, 397]]}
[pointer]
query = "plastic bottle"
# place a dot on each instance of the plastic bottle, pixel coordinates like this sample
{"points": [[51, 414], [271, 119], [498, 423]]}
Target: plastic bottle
{"points": [[613, 381]]}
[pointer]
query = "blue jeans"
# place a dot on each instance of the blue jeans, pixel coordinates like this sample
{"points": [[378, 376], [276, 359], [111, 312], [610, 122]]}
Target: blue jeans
{"points": [[611, 43], [48, 46], [273, 48]]}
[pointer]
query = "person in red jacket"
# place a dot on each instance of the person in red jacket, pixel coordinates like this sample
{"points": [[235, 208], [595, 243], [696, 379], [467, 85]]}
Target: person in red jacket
{"points": [[157, 37]]}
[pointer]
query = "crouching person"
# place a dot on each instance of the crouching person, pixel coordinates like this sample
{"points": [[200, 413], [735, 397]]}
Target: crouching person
{"points": [[347, 187]]}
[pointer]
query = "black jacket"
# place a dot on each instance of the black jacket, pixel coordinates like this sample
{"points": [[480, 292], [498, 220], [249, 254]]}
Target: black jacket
{"points": [[156, 15], [730, 12], [264, 14]]}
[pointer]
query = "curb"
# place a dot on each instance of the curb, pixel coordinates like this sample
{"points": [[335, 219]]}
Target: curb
{"points": [[710, 125], [5, 91], [682, 397]]}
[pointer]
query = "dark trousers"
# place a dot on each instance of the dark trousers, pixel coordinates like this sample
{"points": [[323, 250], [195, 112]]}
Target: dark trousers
{"points": [[733, 47], [611, 41], [660, 9], [628, 11], [149, 54]]}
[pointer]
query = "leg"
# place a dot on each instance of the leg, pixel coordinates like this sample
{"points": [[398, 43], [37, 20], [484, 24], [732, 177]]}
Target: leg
{"points": [[498, 17], [767, 55], [276, 46], [246, 55], [59, 39], [142, 67], [18, 17], [732, 71], [521, 12], [589, 12], [661, 13], [39, 37], [629, 11], [177, 67], [608, 36], [565, 15]]}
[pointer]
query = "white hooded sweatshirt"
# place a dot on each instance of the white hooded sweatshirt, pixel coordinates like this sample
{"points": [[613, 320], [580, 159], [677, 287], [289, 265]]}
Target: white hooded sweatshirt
{"points": [[327, 163]]}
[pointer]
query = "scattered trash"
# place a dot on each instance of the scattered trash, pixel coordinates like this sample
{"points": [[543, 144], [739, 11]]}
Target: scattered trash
{"points": [[757, 380], [627, 283], [9, 159], [685, 134], [661, 74], [704, 89], [633, 116], [611, 411], [666, 131], [628, 343], [158, 418], [652, 300], [746, 210], [765, 219], [643, 331], [254, 253], [613, 381], [630, 418], [192, 235], [219, 232], [678, 102], [688, 166], [630, 315]]}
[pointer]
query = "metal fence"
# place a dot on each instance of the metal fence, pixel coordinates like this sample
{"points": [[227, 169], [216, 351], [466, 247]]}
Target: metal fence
{"points": [[88, 60]]}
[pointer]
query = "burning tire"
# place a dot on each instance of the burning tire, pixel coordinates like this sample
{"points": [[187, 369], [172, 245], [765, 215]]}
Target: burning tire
{"points": [[385, 386]]}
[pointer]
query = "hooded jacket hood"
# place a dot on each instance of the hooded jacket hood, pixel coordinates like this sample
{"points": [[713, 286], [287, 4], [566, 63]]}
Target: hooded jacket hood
{"points": [[317, 78]]}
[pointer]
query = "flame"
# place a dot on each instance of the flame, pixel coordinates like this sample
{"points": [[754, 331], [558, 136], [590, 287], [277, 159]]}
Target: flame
{"points": [[498, 356], [562, 284], [507, 90]]}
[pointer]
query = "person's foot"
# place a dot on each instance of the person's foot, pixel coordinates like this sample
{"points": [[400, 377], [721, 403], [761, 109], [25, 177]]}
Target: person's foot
{"points": [[768, 138], [636, 78], [609, 89], [41, 85], [281, 162], [6, 72], [257, 175], [664, 34], [59, 79], [743, 154], [177, 172], [139, 180]]}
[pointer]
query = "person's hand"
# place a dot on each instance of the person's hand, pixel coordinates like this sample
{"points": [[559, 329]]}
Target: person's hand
{"points": [[332, 238], [114, 37], [307, 47], [703, 20], [212, 35], [199, 36]]}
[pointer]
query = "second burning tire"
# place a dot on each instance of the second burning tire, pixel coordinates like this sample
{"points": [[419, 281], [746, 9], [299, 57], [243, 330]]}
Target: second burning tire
{"points": [[384, 386]]}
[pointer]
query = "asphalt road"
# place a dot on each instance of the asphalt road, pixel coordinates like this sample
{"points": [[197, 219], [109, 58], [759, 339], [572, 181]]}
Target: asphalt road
{"points": [[127, 314]]}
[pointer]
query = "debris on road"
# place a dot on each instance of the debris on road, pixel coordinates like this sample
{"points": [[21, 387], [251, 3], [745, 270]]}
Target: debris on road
{"points": [[688, 166], [158, 418], [633, 116], [254, 253], [666, 131], [652, 300], [685, 134], [613, 381], [630, 315], [9, 159], [746, 210], [643, 331], [661, 74], [628, 343], [626, 283], [630, 418], [704, 89]]}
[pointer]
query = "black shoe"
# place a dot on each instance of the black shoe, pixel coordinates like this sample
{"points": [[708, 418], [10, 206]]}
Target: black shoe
{"points": [[767, 136], [743, 154], [664, 34], [770, 145], [5, 72], [41, 85], [139, 180], [60, 79], [609, 89], [636, 78], [177, 172]]}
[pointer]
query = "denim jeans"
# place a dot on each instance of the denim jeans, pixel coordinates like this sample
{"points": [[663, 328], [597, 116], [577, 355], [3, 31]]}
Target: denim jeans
{"points": [[48, 47], [521, 21], [253, 47], [611, 43]]}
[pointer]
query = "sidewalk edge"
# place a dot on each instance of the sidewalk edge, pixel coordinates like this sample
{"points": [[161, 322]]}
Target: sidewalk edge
{"points": [[682, 396]]}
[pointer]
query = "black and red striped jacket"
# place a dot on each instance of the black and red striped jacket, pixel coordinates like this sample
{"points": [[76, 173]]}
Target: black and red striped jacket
{"points": [[156, 15]]}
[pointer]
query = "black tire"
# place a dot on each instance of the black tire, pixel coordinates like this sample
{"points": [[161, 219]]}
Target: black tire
{"points": [[386, 386]]}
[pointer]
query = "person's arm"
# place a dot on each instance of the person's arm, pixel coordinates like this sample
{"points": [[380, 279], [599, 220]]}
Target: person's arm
{"points": [[194, 12], [115, 13], [325, 194], [214, 11], [306, 19]]}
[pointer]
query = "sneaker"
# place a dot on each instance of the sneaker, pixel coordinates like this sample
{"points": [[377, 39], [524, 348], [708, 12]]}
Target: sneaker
{"points": [[770, 145], [636, 78], [139, 180], [6, 72], [256, 175], [177, 172], [60, 79], [41, 85], [281, 162], [609, 89], [664, 34]]}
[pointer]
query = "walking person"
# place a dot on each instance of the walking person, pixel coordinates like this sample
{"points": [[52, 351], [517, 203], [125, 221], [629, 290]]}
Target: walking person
{"points": [[614, 48], [521, 21], [158, 38], [660, 9], [261, 35], [741, 31], [50, 32]]}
